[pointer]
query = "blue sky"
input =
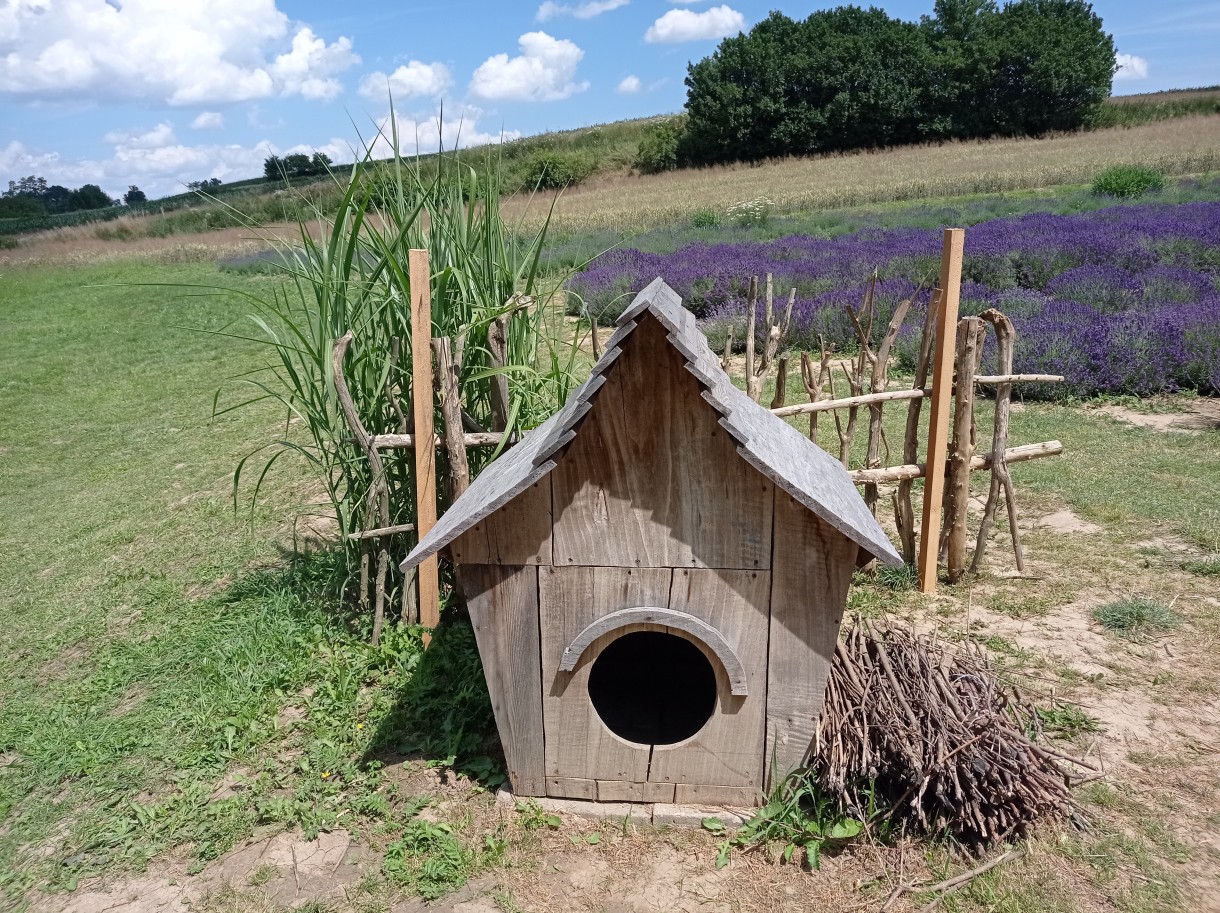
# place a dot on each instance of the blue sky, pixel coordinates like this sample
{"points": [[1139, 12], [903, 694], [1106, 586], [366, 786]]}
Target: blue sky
{"points": [[160, 92]]}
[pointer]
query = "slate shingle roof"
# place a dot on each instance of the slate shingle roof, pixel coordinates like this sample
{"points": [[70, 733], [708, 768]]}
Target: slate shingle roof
{"points": [[769, 444]]}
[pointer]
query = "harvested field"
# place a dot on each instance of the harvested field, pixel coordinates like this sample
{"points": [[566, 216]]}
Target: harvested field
{"points": [[1184, 146]]}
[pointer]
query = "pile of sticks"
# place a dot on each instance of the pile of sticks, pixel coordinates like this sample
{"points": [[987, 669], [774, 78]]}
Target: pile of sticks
{"points": [[940, 743]]}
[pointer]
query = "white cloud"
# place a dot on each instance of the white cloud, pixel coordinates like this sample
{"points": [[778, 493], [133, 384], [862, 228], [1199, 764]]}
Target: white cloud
{"points": [[16, 158], [685, 25], [630, 85], [337, 150], [1131, 67], [179, 53], [310, 66], [209, 120], [545, 71], [416, 78], [550, 9], [158, 136], [424, 133], [159, 164]]}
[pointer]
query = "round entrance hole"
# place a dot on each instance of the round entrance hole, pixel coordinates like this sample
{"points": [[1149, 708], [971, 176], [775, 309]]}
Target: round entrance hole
{"points": [[653, 688]]}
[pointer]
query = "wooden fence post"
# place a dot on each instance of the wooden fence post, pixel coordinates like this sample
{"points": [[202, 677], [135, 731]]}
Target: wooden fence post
{"points": [[942, 390], [969, 346], [425, 455]]}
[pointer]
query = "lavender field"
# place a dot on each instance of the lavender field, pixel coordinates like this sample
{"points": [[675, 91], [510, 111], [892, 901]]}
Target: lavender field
{"points": [[1122, 300]]}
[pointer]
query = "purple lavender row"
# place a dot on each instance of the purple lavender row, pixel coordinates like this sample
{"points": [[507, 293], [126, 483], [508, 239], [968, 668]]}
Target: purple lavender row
{"points": [[1119, 300]]}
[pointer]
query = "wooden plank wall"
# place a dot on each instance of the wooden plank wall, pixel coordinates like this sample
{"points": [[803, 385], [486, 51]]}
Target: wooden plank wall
{"points": [[811, 571], [503, 603], [728, 750], [517, 533], [577, 743], [651, 479], [653, 506]]}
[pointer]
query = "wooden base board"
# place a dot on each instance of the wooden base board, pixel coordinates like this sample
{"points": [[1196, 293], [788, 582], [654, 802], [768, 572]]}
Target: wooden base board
{"points": [[657, 814], [623, 791], [734, 796], [626, 791]]}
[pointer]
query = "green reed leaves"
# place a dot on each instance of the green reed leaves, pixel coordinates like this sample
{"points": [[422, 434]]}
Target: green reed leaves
{"points": [[348, 271]]}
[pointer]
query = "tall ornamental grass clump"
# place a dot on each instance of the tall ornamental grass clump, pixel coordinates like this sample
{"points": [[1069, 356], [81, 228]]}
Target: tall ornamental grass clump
{"points": [[348, 271]]}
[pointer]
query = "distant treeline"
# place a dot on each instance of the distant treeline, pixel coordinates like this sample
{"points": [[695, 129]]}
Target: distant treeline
{"points": [[852, 78]]}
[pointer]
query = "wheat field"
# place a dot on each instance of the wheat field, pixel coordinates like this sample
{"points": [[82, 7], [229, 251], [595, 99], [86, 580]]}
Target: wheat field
{"points": [[1188, 145]]}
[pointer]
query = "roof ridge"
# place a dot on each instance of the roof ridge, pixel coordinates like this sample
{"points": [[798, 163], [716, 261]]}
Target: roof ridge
{"points": [[769, 444]]}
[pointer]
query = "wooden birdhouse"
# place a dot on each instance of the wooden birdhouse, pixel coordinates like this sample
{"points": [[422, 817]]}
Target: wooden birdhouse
{"points": [[656, 577]]}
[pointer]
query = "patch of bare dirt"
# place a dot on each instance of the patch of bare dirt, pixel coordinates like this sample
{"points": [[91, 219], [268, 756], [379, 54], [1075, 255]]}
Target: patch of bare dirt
{"points": [[1065, 521], [61, 664], [287, 869], [131, 699], [1202, 414]]}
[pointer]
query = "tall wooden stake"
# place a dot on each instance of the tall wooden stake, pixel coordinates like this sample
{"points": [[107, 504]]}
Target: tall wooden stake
{"points": [[969, 345], [942, 391], [422, 404]]}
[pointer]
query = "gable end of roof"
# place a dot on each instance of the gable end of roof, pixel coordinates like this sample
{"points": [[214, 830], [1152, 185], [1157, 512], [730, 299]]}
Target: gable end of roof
{"points": [[790, 460]]}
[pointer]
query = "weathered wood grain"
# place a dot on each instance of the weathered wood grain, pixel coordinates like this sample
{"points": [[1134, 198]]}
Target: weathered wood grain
{"points": [[503, 603], [731, 796], [422, 396], [518, 533], [652, 479], [810, 573], [942, 389], [623, 791], [728, 749], [571, 788], [578, 744]]}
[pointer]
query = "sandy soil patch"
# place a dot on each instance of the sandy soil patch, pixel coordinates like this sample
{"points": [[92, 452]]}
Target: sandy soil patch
{"points": [[1202, 414]]}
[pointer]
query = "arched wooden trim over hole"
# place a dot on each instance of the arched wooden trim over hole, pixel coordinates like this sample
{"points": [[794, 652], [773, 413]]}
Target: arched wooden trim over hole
{"points": [[670, 618]]}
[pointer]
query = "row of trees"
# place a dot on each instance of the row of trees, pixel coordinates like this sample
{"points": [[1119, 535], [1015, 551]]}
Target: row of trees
{"points": [[850, 78], [33, 196], [296, 165]]}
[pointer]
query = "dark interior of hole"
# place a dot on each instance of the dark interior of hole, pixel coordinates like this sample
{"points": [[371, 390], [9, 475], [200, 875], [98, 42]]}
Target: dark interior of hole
{"points": [[653, 688]]}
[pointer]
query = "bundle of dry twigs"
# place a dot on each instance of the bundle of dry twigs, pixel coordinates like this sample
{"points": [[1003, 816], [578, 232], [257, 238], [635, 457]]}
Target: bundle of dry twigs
{"points": [[940, 743]]}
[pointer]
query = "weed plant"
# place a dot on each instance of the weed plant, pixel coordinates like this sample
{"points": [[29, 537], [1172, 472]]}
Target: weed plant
{"points": [[1066, 720], [1128, 181], [1205, 567], [797, 817]]}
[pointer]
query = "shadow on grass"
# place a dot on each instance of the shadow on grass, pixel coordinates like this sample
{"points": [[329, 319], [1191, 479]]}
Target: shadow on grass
{"points": [[441, 713], [439, 710]]}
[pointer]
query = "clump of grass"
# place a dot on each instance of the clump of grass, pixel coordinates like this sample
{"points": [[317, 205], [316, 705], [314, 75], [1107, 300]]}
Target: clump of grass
{"points": [[898, 578], [1135, 617], [1128, 181], [429, 858], [799, 820], [1204, 567]]}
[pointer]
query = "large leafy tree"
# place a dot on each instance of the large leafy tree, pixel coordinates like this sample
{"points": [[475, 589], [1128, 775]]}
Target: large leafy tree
{"points": [[1054, 66], [850, 78], [89, 196], [841, 79]]}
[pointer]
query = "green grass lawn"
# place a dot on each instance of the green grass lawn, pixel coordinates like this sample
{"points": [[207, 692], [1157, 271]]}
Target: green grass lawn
{"points": [[149, 634], [152, 638]]}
